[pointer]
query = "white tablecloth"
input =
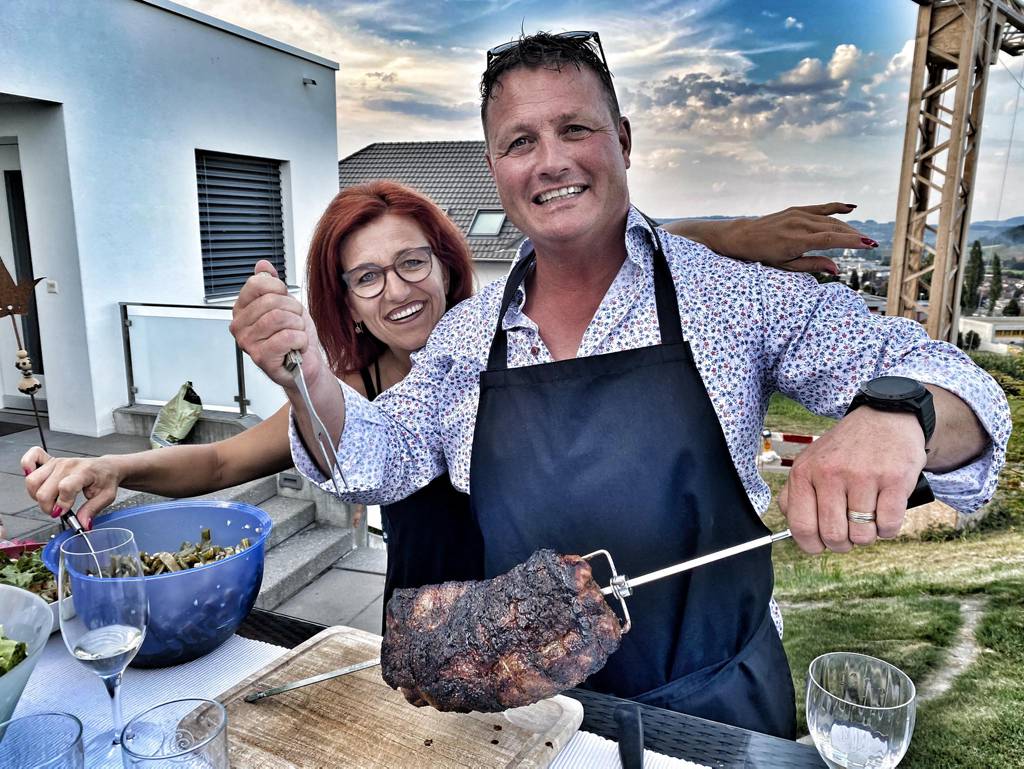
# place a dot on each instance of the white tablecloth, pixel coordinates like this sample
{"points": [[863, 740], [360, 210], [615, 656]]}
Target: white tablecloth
{"points": [[61, 683]]}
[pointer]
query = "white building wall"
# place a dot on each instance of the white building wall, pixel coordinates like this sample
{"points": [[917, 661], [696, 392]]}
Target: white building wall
{"points": [[488, 272], [139, 89], [49, 209]]}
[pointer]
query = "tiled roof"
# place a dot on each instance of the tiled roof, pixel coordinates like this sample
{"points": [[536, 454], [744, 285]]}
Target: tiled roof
{"points": [[453, 174]]}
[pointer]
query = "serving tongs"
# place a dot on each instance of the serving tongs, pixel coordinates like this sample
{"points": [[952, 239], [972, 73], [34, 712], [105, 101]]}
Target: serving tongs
{"points": [[328, 454], [621, 586]]}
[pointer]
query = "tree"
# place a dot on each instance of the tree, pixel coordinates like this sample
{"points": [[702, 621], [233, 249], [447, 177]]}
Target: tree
{"points": [[1012, 308], [973, 275], [995, 284], [855, 280], [971, 340]]}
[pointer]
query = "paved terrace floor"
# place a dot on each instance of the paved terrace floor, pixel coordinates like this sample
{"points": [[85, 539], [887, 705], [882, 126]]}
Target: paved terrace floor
{"points": [[349, 593]]}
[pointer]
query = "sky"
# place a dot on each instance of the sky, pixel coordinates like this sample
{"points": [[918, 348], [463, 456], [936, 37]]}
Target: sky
{"points": [[737, 107]]}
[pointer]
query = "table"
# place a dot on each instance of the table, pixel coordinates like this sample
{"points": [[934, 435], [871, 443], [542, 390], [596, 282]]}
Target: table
{"points": [[674, 734]]}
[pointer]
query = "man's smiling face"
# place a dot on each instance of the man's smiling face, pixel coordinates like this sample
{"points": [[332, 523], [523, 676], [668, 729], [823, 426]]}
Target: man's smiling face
{"points": [[557, 155]]}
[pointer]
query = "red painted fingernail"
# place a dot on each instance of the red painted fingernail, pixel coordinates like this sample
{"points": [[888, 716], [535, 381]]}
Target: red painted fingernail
{"points": [[56, 511], [88, 525], [869, 242], [851, 205], [27, 472]]}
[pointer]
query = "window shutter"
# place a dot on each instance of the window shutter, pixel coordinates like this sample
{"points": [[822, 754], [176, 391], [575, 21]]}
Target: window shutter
{"points": [[240, 220]]}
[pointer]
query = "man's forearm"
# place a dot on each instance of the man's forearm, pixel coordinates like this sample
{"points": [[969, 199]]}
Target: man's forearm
{"points": [[959, 437]]}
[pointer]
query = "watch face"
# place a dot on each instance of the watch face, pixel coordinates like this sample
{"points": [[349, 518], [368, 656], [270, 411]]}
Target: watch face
{"points": [[893, 388]]}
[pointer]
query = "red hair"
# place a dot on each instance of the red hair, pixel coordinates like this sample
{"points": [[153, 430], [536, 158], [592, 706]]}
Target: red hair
{"points": [[351, 209]]}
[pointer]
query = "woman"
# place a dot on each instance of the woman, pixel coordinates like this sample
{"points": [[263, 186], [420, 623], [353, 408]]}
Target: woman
{"points": [[384, 265]]}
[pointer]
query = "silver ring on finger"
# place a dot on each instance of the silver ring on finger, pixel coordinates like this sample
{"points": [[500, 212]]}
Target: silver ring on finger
{"points": [[855, 516]]}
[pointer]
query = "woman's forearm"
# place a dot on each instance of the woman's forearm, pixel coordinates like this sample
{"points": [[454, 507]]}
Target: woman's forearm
{"points": [[185, 471]]}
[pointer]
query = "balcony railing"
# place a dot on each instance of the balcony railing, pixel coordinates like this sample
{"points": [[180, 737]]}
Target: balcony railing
{"points": [[168, 344]]}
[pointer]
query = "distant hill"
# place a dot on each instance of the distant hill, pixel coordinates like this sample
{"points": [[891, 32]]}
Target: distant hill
{"points": [[1013, 236], [989, 232]]}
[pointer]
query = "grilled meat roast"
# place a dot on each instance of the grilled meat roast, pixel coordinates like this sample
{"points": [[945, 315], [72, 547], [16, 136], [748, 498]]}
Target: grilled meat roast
{"points": [[530, 633]]}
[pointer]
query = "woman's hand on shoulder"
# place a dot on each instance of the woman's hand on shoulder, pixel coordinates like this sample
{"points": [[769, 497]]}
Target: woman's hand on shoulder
{"points": [[780, 239], [55, 483]]}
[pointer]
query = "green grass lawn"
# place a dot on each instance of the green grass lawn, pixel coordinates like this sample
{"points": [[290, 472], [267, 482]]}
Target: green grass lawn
{"points": [[900, 601], [788, 416]]}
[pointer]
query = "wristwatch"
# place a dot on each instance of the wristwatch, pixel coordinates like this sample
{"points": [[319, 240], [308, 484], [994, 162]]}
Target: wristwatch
{"points": [[898, 393]]}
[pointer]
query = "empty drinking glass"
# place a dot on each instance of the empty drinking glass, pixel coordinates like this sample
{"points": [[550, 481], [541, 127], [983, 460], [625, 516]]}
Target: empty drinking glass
{"points": [[42, 741], [860, 711], [184, 734]]}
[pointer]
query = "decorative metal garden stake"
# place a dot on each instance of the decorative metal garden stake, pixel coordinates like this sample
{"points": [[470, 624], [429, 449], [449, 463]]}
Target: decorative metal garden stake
{"points": [[14, 300]]}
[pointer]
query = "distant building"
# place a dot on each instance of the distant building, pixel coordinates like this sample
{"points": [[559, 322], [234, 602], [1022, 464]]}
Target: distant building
{"points": [[997, 333], [876, 304], [455, 176]]}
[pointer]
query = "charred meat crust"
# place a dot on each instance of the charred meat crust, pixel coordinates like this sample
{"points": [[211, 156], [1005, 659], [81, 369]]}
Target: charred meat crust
{"points": [[500, 643]]}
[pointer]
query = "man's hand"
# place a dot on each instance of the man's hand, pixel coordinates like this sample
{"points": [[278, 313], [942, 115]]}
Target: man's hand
{"points": [[781, 239], [55, 483], [268, 322], [869, 463]]}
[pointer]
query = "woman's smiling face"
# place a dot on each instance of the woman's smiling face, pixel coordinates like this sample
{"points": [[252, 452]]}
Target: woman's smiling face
{"points": [[403, 314]]}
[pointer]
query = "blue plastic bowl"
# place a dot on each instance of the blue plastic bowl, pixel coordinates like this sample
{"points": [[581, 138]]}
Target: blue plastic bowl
{"points": [[191, 612]]}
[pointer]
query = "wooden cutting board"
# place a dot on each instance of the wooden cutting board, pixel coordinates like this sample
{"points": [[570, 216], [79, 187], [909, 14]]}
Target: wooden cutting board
{"points": [[359, 721]]}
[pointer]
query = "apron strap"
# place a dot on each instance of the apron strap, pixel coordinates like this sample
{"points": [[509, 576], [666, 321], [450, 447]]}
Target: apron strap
{"points": [[497, 360], [664, 297], [664, 292]]}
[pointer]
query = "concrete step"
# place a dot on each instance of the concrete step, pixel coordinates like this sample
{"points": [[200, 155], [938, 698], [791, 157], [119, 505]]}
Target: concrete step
{"points": [[254, 493], [211, 426], [297, 561], [290, 516]]}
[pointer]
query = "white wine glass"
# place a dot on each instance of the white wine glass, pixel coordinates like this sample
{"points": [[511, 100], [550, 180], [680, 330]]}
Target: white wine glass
{"points": [[860, 710], [103, 615]]}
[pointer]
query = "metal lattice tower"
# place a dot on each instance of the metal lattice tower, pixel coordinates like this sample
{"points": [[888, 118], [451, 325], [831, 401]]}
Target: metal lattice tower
{"points": [[957, 42]]}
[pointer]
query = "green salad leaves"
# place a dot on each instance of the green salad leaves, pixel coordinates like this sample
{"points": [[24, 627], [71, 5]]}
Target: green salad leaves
{"points": [[29, 572], [11, 652]]}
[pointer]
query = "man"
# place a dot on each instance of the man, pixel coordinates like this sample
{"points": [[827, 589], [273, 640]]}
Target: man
{"points": [[610, 394]]}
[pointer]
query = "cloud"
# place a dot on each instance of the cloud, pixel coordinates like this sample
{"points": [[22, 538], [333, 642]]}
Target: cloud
{"points": [[807, 72], [432, 110], [898, 66], [844, 61], [659, 158], [810, 102], [792, 23]]}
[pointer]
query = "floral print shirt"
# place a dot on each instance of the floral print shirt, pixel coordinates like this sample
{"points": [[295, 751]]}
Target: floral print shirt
{"points": [[753, 330]]}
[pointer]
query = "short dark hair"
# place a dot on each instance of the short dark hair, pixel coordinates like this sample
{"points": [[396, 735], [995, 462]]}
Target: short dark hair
{"points": [[544, 50]]}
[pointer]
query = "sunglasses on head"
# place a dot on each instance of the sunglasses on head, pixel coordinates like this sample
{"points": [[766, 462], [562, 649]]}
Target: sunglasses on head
{"points": [[582, 36]]}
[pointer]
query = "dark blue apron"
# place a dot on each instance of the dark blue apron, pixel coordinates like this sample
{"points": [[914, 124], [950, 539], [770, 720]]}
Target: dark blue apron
{"points": [[624, 452], [431, 535]]}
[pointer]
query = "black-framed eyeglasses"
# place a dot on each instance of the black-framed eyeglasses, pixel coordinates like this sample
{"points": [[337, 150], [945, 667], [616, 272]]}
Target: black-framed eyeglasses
{"points": [[368, 281], [580, 35]]}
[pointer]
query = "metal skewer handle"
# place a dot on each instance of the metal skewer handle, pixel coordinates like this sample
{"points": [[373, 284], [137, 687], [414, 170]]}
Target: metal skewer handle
{"points": [[257, 696], [622, 586]]}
